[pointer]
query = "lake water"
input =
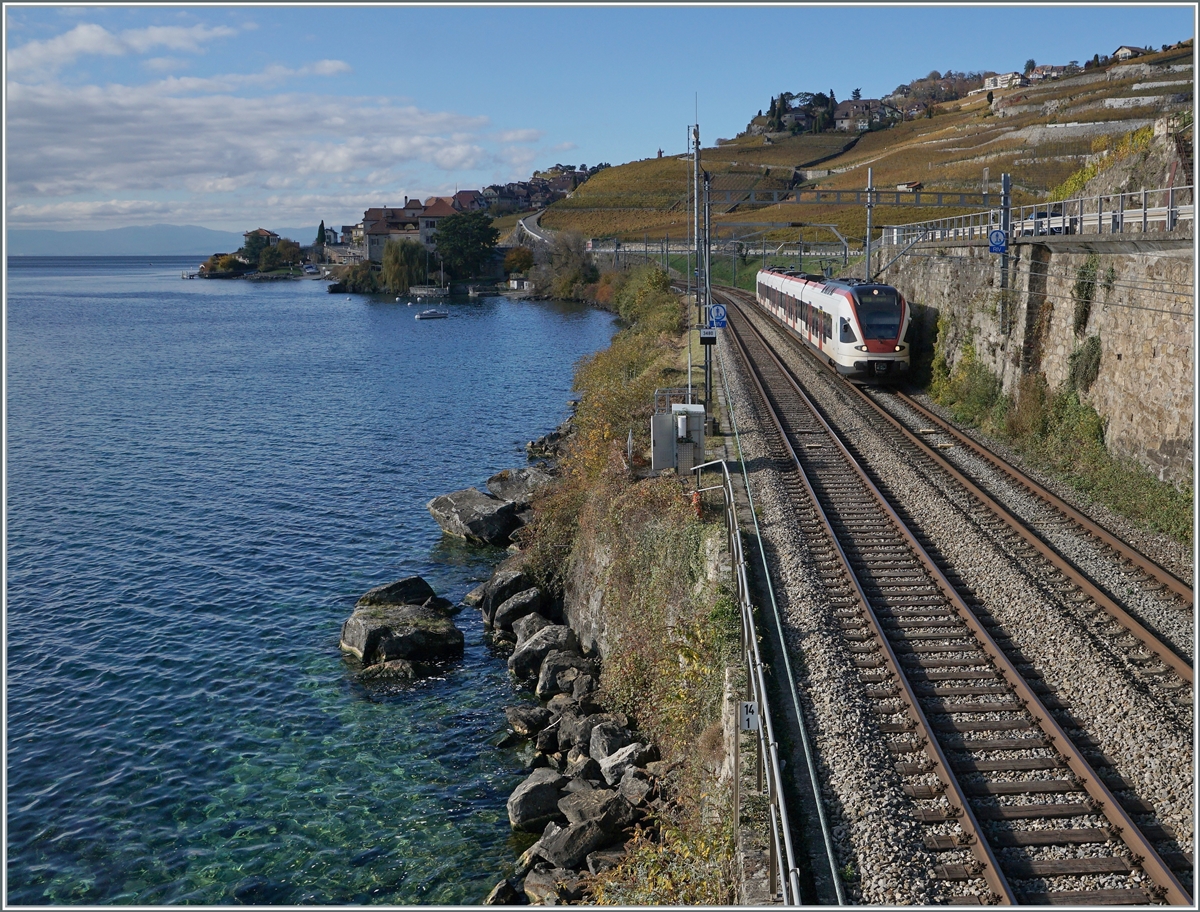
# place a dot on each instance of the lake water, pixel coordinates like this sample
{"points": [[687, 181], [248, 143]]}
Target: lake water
{"points": [[202, 478]]}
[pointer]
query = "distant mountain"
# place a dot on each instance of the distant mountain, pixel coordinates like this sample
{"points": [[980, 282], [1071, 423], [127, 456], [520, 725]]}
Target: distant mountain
{"points": [[145, 240]]}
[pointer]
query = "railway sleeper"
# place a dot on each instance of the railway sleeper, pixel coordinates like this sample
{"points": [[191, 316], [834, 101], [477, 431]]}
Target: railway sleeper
{"points": [[1029, 868], [1127, 897]]}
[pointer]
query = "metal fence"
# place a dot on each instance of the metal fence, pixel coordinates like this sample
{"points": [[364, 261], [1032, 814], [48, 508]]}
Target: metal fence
{"points": [[1141, 211], [769, 765]]}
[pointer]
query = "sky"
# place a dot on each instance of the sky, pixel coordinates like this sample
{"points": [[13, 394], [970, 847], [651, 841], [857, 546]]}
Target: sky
{"points": [[235, 116]]}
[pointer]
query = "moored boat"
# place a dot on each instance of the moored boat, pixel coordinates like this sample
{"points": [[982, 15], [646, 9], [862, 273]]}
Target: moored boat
{"points": [[432, 315]]}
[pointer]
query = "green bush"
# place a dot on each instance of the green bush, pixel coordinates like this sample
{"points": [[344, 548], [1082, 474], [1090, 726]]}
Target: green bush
{"points": [[1083, 365], [1059, 433], [1083, 292]]}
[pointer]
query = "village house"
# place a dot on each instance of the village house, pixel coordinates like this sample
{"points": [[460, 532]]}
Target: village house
{"points": [[271, 236], [383, 224], [1128, 52], [1046, 71], [1005, 81], [468, 201], [857, 116], [436, 209]]}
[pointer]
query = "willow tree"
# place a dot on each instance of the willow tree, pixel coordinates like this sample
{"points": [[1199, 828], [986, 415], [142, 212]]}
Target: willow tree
{"points": [[403, 265]]}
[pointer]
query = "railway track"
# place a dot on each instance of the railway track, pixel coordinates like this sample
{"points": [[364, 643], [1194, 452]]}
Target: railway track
{"points": [[1018, 806], [1149, 652]]}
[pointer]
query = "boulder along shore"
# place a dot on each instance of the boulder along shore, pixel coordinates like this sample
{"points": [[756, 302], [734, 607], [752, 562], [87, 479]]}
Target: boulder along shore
{"points": [[594, 782]]}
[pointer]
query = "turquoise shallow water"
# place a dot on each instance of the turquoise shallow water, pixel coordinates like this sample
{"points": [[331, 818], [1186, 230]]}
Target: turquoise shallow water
{"points": [[202, 478]]}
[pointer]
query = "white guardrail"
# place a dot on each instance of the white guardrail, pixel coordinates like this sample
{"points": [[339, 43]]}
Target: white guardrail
{"points": [[1142, 211]]}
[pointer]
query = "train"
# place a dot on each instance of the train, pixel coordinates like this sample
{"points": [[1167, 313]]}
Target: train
{"points": [[858, 327]]}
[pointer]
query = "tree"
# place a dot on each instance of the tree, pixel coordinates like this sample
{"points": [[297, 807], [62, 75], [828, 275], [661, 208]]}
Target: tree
{"points": [[1030, 65], [519, 259], [269, 258], [990, 96], [289, 251], [465, 242], [403, 266], [255, 243], [320, 241], [856, 95], [564, 266]]}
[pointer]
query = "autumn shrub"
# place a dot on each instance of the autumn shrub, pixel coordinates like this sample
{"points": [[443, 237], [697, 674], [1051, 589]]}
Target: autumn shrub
{"points": [[669, 631], [1083, 292], [1083, 365], [686, 865]]}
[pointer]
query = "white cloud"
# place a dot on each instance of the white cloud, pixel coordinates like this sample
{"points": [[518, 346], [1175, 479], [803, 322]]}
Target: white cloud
{"points": [[90, 39], [188, 137]]}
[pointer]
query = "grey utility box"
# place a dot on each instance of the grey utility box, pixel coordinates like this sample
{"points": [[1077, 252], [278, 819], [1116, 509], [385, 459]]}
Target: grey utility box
{"points": [[677, 438]]}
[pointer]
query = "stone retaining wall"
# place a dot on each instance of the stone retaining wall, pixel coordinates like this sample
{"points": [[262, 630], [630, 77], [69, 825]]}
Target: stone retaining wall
{"points": [[1143, 316]]}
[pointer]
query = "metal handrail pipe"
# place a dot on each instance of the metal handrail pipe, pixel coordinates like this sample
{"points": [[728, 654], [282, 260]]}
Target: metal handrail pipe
{"points": [[782, 837]]}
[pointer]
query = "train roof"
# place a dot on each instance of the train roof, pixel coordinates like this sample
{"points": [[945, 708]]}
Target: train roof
{"points": [[847, 283]]}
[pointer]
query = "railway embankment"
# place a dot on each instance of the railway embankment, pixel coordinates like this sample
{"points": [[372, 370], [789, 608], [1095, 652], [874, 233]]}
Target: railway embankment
{"points": [[1131, 719]]}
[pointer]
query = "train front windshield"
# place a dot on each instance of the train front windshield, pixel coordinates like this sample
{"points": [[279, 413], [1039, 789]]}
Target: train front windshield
{"points": [[879, 312]]}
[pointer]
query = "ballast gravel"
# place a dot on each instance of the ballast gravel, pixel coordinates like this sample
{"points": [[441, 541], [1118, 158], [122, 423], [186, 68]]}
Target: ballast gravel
{"points": [[1146, 737]]}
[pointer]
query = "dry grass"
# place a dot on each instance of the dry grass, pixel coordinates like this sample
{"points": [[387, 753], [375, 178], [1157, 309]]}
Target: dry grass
{"points": [[946, 152]]}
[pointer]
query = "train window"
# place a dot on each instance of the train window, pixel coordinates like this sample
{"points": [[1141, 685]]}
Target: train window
{"points": [[847, 331], [879, 312]]}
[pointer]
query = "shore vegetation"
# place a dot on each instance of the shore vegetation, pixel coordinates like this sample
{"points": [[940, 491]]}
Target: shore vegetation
{"points": [[669, 630]]}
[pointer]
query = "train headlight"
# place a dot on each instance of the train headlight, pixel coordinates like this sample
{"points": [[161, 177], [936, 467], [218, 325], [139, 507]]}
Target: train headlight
{"points": [[861, 348], [899, 348]]}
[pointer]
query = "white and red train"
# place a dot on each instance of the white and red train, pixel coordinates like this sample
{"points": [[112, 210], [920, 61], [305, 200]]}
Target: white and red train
{"points": [[857, 326]]}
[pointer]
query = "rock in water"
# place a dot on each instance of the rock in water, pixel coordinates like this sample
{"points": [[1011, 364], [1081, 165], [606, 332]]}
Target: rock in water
{"points": [[534, 803], [475, 516], [505, 893], [569, 846], [526, 660], [525, 602], [502, 586], [384, 633], [412, 590], [518, 485]]}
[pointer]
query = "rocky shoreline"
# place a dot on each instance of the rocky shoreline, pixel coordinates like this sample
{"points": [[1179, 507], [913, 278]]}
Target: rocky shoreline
{"points": [[594, 783]]}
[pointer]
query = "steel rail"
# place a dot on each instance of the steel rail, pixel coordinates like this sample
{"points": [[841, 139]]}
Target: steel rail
{"points": [[1127, 551], [979, 845], [1125, 828], [809, 755], [1179, 664], [1167, 655]]}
